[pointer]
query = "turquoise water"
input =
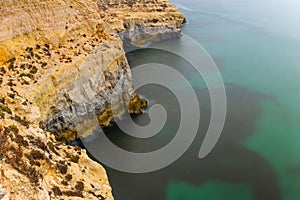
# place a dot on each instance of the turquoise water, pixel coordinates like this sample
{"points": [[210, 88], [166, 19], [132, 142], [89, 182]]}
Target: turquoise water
{"points": [[256, 46]]}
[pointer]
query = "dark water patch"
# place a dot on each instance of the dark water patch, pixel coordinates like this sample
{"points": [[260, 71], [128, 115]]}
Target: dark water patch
{"points": [[293, 170], [229, 161], [129, 143]]}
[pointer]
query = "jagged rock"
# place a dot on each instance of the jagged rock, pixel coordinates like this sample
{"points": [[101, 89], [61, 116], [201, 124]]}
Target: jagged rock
{"points": [[35, 166], [138, 22], [63, 63]]}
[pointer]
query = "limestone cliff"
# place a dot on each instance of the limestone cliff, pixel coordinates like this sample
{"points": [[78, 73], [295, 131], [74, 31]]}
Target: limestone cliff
{"points": [[62, 53], [61, 62], [140, 21]]}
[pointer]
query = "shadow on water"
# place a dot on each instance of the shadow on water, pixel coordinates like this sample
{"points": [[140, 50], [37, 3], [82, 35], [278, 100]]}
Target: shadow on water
{"points": [[229, 161]]}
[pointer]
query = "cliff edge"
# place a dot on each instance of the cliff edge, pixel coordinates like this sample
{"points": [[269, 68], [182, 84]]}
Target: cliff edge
{"points": [[60, 60]]}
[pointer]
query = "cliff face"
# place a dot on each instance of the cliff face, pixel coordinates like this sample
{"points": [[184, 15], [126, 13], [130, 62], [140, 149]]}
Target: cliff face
{"points": [[140, 21], [62, 52], [62, 61]]}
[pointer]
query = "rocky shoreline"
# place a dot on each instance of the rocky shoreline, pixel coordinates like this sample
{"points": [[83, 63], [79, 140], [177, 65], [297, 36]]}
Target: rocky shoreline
{"points": [[60, 61]]}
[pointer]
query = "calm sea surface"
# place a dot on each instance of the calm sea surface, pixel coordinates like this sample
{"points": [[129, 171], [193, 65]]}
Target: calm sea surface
{"points": [[256, 46]]}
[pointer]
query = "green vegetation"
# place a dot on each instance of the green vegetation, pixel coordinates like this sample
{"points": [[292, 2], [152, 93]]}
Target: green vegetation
{"points": [[11, 63], [2, 114], [5, 108], [13, 128], [21, 121], [17, 161], [69, 177]]}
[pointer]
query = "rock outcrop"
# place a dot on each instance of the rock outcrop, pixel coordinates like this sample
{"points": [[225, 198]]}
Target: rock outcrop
{"points": [[138, 22], [65, 69], [61, 63], [35, 166]]}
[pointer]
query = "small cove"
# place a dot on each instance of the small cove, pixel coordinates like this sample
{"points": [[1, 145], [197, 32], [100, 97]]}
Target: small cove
{"points": [[257, 156]]}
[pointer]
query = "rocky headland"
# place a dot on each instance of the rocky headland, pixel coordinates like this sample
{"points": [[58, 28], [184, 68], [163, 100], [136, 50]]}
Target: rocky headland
{"points": [[61, 63]]}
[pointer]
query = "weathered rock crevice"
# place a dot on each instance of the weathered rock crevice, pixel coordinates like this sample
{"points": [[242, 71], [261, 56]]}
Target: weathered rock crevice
{"points": [[135, 25], [141, 21], [61, 64]]}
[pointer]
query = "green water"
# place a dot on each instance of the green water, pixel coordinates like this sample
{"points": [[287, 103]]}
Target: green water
{"points": [[256, 46], [209, 190], [263, 58]]}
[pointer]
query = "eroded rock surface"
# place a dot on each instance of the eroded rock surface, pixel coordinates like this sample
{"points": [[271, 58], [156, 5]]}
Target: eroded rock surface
{"points": [[35, 166], [61, 63], [140, 21]]}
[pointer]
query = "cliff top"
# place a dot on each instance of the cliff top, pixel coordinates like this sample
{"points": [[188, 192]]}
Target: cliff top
{"points": [[45, 45]]}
